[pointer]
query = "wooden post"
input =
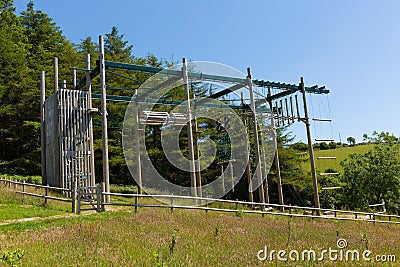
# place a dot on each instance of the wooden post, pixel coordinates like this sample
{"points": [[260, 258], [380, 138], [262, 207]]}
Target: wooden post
{"points": [[232, 177], [172, 203], [98, 198], [190, 130], [57, 179], [264, 169], [42, 125], [137, 137], [74, 195], [74, 78], [46, 194], [251, 199], [256, 141], [106, 174], [103, 197], [223, 178], [310, 148], [136, 204], [89, 99], [198, 166], [277, 164], [78, 199]]}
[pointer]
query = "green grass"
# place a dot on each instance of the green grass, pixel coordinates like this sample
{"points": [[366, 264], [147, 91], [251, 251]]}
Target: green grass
{"points": [[340, 153], [14, 206], [185, 238], [157, 237], [19, 211]]}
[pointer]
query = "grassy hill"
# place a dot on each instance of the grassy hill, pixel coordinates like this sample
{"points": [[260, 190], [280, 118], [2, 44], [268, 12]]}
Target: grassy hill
{"points": [[340, 153]]}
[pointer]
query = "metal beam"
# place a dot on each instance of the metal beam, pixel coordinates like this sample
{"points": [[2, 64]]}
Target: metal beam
{"points": [[227, 91]]}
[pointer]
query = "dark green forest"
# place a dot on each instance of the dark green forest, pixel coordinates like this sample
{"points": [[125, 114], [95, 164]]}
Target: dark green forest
{"points": [[30, 41]]}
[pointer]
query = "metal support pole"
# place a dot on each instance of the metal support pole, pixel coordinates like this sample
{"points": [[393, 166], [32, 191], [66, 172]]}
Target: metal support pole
{"points": [[106, 174], [251, 199], [256, 140], [90, 106], [275, 142], [42, 125], [190, 130], [310, 148]]}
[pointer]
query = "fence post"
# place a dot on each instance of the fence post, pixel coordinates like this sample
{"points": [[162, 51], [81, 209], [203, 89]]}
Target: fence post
{"points": [[237, 204], [262, 210], [207, 204], [98, 198], [23, 188], [46, 194], [136, 203], [79, 193], [172, 203], [74, 195], [103, 196]]}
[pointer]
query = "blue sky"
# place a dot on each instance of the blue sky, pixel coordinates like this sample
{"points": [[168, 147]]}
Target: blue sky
{"points": [[351, 47]]}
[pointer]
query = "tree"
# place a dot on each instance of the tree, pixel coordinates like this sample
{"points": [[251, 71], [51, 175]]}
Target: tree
{"points": [[46, 42], [373, 176], [14, 79], [351, 140], [116, 48]]}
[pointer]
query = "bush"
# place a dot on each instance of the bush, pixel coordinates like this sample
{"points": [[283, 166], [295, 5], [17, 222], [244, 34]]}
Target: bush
{"points": [[324, 146], [21, 178], [300, 146]]}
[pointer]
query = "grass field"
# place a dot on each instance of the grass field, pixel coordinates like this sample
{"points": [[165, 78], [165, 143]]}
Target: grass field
{"points": [[340, 153], [157, 237]]}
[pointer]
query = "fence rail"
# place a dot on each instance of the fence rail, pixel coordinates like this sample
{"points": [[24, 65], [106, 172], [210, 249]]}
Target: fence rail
{"points": [[23, 191], [98, 203], [263, 208]]}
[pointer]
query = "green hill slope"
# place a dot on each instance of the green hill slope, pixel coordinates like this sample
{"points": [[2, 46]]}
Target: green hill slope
{"points": [[340, 153]]}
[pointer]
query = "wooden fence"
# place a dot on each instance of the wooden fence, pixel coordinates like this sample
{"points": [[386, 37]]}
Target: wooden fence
{"points": [[22, 188], [94, 197]]}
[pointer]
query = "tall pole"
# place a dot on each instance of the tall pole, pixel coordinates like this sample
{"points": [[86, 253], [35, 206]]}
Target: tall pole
{"points": [[106, 175], [190, 130], [310, 147], [137, 140], [198, 165], [89, 99], [275, 142], [42, 125], [57, 179], [74, 77], [256, 140], [251, 199]]}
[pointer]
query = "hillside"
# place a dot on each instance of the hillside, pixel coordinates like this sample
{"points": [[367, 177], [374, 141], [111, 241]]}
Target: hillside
{"points": [[340, 153]]}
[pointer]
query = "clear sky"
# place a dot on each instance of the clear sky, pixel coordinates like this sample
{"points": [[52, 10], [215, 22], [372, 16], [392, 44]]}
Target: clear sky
{"points": [[351, 47]]}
